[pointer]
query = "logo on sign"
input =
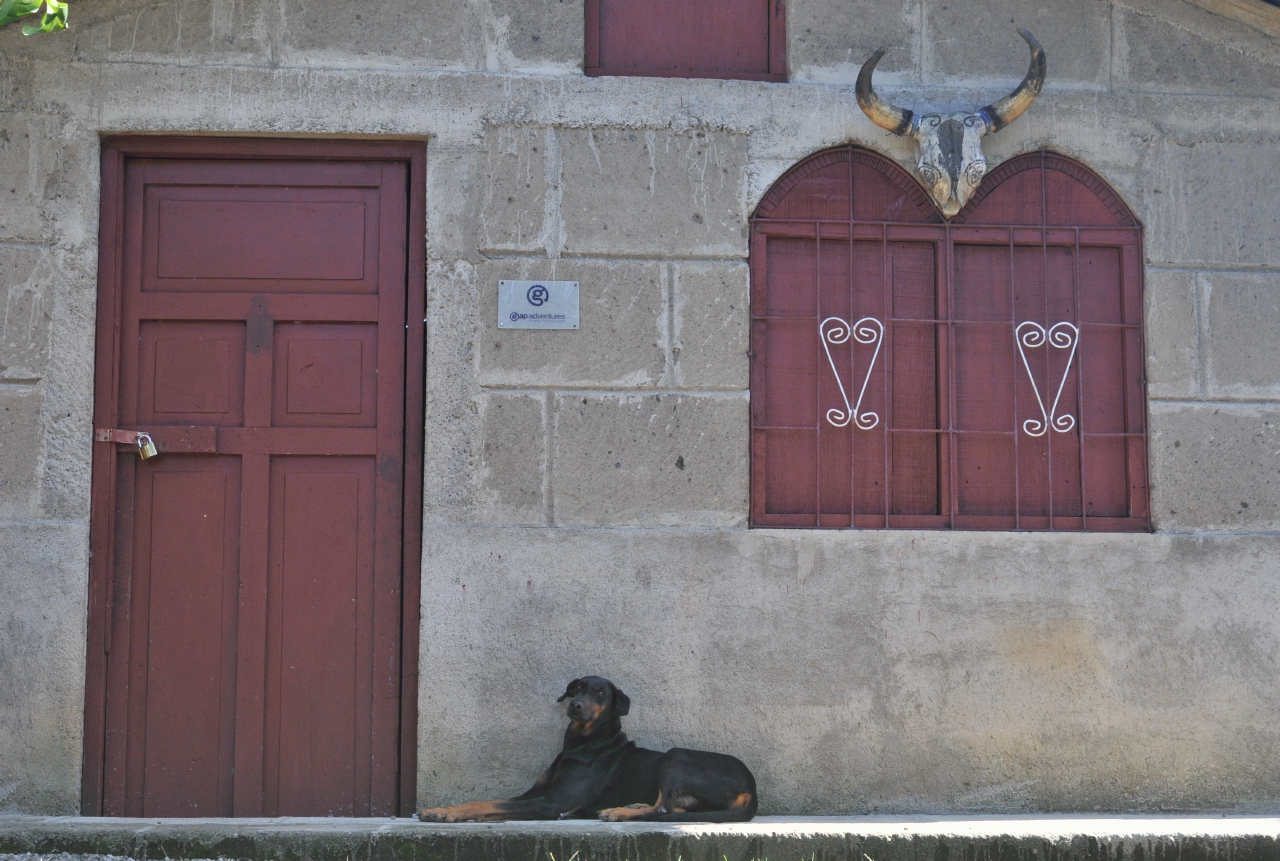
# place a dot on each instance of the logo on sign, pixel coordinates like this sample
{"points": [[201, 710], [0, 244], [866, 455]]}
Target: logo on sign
{"points": [[516, 315], [535, 304]]}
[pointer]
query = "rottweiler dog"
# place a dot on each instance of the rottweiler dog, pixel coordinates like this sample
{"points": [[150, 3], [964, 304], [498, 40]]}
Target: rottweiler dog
{"points": [[600, 773]]}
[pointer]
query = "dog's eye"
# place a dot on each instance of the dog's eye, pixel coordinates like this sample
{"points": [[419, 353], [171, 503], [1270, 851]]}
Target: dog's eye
{"points": [[600, 694]]}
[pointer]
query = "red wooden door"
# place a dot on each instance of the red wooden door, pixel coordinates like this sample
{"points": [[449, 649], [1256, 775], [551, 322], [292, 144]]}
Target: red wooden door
{"points": [[250, 584]]}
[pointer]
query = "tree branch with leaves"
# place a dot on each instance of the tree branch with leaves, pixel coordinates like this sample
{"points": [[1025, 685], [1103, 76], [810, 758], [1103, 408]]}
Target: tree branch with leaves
{"points": [[53, 17]]}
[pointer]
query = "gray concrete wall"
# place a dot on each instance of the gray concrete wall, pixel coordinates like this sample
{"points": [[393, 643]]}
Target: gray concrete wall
{"points": [[596, 481], [869, 672]]}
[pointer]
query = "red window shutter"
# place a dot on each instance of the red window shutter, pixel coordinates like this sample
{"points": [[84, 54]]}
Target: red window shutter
{"points": [[743, 39], [981, 374]]}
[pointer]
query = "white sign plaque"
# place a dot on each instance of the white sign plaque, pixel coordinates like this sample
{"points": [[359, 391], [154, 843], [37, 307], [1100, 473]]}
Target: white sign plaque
{"points": [[537, 304]]}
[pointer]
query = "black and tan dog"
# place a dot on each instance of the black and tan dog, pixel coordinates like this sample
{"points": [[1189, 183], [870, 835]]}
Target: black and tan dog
{"points": [[600, 773]]}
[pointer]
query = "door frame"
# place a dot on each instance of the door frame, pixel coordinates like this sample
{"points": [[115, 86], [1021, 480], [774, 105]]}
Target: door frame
{"points": [[116, 149]]}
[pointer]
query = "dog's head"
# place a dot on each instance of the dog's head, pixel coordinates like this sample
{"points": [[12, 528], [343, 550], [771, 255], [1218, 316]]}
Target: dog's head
{"points": [[591, 698]]}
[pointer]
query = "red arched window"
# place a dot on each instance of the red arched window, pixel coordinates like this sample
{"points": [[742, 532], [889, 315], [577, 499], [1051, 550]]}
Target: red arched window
{"points": [[985, 373]]}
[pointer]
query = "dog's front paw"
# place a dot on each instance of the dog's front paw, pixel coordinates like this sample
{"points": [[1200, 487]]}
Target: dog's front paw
{"points": [[436, 814], [626, 814]]}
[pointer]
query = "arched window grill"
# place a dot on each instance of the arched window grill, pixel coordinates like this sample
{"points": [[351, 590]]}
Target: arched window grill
{"points": [[982, 373]]}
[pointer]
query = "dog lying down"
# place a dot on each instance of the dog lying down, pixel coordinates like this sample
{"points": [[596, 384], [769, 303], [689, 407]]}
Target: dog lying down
{"points": [[600, 773]]}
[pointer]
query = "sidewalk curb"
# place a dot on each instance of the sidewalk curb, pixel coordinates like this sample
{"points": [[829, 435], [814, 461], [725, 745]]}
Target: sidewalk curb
{"points": [[1013, 838]]}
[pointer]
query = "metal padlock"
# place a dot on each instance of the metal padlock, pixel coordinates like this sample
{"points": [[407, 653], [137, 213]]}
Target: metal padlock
{"points": [[146, 448]]}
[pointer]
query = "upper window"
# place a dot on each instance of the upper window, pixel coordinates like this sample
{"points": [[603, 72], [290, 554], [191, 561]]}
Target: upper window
{"points": [[985, 373], [687, 39]]}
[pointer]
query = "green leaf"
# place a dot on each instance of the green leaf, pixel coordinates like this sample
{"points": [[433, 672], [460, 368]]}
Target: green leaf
{"points": [[12, 10], [53, 18]]}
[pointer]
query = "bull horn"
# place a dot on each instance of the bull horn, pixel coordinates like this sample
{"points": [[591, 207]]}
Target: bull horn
{"points": [[883, 114], [1000, 114]]}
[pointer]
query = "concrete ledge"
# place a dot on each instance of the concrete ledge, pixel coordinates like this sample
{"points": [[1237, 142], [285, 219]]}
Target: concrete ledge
{"points": [[914, 838]]}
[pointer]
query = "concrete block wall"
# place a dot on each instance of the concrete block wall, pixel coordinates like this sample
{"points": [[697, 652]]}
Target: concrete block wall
{"points": [[586, 492], [638, 418]]}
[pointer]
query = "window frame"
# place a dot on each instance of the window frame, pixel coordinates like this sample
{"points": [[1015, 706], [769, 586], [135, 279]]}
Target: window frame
{"points": [[777, 50], [1125, 236]]}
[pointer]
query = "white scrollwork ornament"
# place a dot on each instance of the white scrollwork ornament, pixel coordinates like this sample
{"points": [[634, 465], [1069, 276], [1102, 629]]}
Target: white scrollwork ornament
{"points": [[1062, 336], [868, 330]]}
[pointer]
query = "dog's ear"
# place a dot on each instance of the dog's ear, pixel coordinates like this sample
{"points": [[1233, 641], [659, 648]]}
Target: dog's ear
{"points": [[572, 689], [621, 703]]}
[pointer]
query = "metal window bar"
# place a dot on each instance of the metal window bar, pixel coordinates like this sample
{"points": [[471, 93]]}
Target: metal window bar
{"points": [[953, 503], [886, 306], [1124, 389], [817, 378], [943, 488], [1013, 325], [853, 294], [1075, 284], [1044, 292]]}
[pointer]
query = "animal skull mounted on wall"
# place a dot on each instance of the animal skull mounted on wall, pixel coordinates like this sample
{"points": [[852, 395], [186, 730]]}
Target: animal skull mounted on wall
{"points": [[950, 145]]}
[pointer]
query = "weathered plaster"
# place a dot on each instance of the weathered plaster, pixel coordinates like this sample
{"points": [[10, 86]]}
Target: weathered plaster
{"points": [[863, 671], [42, 642]]}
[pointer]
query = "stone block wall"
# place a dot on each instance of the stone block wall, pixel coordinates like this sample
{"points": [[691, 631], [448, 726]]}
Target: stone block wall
{"points": [[586, 492], [638, 418]]}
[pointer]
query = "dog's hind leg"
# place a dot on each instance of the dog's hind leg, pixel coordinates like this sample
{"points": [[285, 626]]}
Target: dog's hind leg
{"points": [[705, 787]]}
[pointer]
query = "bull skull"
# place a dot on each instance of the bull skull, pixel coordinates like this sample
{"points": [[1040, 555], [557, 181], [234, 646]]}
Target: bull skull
{"points": [[950, 145]]}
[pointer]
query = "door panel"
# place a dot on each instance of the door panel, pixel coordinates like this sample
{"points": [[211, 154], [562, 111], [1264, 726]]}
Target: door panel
{"points": [[191, 373], [323, 647], [188, 528], [320, 633], [325, 375], [248, 234], [251, 612], [263, 228]]}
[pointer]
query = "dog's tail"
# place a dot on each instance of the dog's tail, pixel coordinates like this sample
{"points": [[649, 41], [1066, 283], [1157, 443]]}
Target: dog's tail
{"points": [[733, 814]]}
